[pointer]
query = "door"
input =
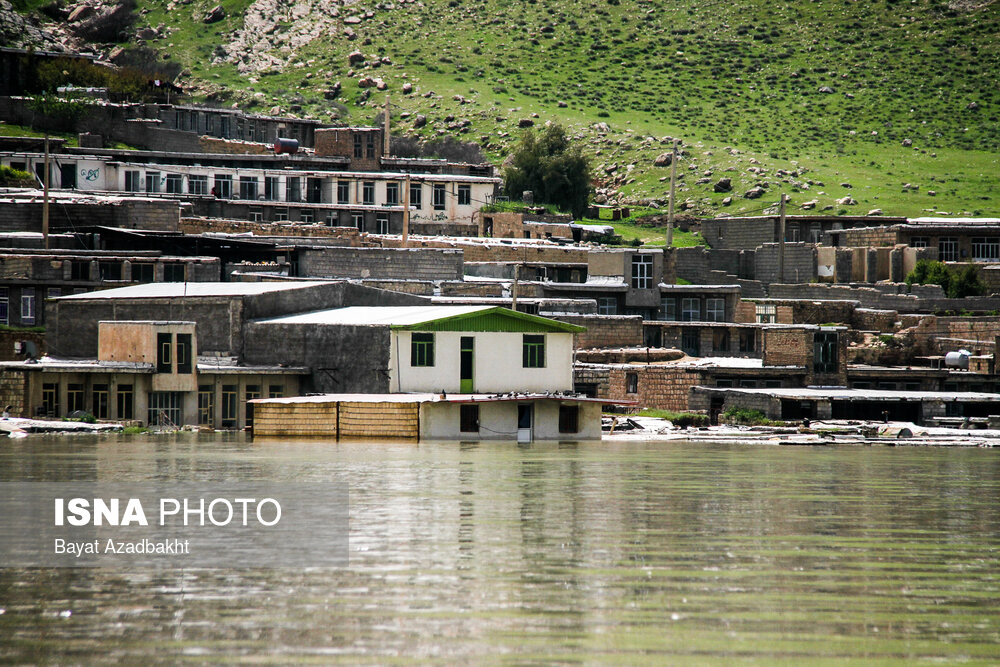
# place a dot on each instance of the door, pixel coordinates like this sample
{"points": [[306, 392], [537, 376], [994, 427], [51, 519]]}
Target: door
{"points": [[525, 421], [466, 365]]}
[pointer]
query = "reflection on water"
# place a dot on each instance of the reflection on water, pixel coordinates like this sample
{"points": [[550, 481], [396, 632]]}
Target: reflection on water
{"points": [[618, 552]]}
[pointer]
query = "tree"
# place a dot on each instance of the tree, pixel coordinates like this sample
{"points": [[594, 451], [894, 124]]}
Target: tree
{"points": [[551, 168], [956, 285]]}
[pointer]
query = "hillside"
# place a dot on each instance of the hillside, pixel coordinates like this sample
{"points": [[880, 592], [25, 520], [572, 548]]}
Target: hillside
{"points": [[816, 99]]}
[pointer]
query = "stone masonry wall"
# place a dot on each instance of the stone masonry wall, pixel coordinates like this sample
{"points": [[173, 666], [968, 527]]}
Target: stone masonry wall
{"points": [[661, 387], [13, 392], [605, 330], [598, 376], [784, 347], [800, 263], [416, 264]]}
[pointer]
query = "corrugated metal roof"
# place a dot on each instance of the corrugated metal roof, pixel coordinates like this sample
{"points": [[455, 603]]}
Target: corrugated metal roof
{"points": [[430, 318], [205, 289]]}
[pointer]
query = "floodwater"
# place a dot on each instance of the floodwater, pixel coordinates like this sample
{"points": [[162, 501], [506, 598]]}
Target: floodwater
{"points": [[615, 552]]}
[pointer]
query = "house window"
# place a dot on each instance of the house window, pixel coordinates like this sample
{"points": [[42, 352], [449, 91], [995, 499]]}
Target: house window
{"points": [[175, 184], [370, 145], [464, 195], [164, 353], [382, 224], [422, 349], [748, 340], [416, 195], [184, 353], [825, 352], [468, 418], [99, 397], [607, 305], [306, 217], [691, 310], [919, 242], [164, 408], [331, 219], [4, 306], [74, 398], [50, 399], [28, 305], [569, 418], [368, 193], [533, 351], [358, 221], [110, 270], [314, 190], [126, 402], [271, 188], [691, 342], [948, 249], [280, 214], [152, 181], [720, 340], [669, 307], [173, 273], [767, 313], [198, 185], [642, 271], [293, 188], [275, 390], [343, 192], [255, 215], [143, 273], [229, 406], [985, 249], [715, 310], [133, 181], [252, 392], [439, 195], [359, 150], [392, 194], [631, 383], [223, 186], [248, 187]]}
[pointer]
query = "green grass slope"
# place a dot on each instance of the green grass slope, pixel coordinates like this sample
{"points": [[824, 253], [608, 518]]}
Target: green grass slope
{"points": [[799, 97]]}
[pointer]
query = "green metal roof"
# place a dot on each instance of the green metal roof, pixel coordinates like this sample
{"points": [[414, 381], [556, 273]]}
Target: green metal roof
{"points": [[493, 319]]}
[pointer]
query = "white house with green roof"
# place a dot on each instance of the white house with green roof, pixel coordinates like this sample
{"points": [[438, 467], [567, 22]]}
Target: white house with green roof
{"points": [[459, 372]]}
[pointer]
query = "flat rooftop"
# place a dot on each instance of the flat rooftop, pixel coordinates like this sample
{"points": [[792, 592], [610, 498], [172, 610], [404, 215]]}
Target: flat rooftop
{"points": [[844, 394], [376, 315], [195, 290]]}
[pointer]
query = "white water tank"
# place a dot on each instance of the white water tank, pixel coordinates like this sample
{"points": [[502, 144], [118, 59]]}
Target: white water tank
{"points": [[959, 359]]}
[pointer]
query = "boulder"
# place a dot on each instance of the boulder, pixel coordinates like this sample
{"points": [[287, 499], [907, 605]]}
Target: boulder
{"points": [[809, 205], [847, 201], [215, 14], [663, 160], [355, 57], [874, 211], [754, 193], [907, 142], [366, 82], [727, 201], [81, 12], [525, 122], [407, 88], [723, 185], [826, 89], [420, 120]]}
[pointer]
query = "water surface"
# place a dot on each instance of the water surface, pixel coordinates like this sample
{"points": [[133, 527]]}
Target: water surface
{"points": [[614, 552]]}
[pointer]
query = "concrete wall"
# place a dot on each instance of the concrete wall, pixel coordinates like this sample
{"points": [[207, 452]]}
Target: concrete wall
{"points": [[800, 263], [154, 215], [661, 387], [498, 421]]}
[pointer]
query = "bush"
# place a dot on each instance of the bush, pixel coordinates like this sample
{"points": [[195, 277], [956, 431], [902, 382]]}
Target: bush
{"points": [[955, 285], [749, 417], [553, 170], [15, 178], [678, 419]]}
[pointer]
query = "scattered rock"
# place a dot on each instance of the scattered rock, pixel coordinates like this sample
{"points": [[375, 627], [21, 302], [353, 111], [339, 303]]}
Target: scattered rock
{"points": [[826, 89], [874, 211], [215, 14], [727, 201], [723, 185], [663, 160], [809, 205], [602, 127], [147, 34], [846, 185], [366, 82], [333, 92], [420, 120], [754, 193], [80, 13], [562, 105], [407, 88], [972, 106], [355, 57], [931, 193], [907, 142], [525, 122], [847, 201], [350, 34]]}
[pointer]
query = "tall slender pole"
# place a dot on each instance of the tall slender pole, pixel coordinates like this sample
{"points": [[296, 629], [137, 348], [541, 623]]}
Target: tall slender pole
{"points": [[406, 211], [673, 186], [385, 131], [513, 289], [781, 240], [45, 197]]}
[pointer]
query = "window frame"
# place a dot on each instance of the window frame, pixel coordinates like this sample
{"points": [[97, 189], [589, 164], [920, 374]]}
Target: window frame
{"points": [[422, 349], [464, 194], [642, 271], [689, 314], [533, 351], [439, 196], [715, 309]]}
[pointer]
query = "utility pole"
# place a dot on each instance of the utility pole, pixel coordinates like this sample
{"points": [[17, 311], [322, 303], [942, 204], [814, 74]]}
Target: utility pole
{"points": [[513, 289], [406, 211], [45, 197], [385, 131], [673, 185], [781, 239]]}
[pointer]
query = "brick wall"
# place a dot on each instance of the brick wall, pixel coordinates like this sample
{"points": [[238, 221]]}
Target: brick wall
{"points": [[596, 376], [231, 147], [10, 336], [339, 141], [738, 233], [788, 347], [382, 421], [869, 319], [866, 237], [605, 330], [400, 264], [338, 420], [348, 235], [460, 228], [14, 392], [661, 387], [25, 216], [295, 420]]}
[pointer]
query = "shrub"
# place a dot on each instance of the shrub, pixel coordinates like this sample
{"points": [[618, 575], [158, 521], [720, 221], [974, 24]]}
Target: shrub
{"points": [[749, 417], [15, 178], [550, 167], [965, 282]]}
